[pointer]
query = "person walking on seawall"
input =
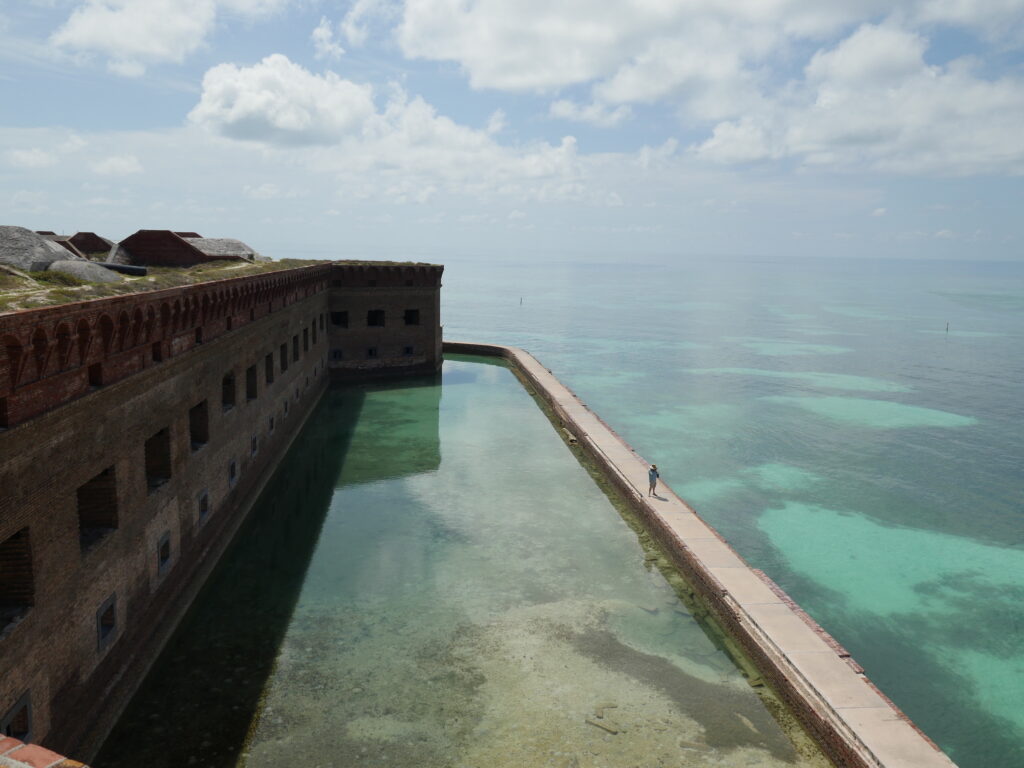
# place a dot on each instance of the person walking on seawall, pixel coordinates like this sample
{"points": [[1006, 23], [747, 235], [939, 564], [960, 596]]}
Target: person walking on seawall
{"points": [[652, 478]]}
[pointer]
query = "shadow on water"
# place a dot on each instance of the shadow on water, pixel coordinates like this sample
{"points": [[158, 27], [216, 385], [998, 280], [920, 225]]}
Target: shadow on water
{"points": [[200, 699], [729, 718]]}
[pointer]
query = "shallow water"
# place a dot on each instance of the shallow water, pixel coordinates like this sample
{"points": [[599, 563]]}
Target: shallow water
{"points": [[819, 415], [431, 579]]}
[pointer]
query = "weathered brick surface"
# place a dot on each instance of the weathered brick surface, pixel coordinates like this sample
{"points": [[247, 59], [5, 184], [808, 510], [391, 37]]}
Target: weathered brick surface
{"points": [[15, 754], [159, 354], [53, 355], [396, 345]]}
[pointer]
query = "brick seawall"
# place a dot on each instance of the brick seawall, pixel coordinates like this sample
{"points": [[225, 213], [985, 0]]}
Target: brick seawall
{"points": [[855, 724]]}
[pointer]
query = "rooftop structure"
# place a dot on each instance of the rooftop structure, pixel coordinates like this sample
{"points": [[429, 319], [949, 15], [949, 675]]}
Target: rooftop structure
{"points": [[162, 247], [90, 243]]}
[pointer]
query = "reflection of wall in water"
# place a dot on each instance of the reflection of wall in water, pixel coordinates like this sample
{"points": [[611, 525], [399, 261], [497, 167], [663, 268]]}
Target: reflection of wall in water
{"points": [[409, 445], [235, 627]]}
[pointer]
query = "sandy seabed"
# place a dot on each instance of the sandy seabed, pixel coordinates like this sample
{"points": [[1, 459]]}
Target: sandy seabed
{"points": [[541, 685]]}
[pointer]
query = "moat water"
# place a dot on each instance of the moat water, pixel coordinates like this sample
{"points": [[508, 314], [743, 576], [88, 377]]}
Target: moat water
{"points": [[432, 579], [821, 417]]}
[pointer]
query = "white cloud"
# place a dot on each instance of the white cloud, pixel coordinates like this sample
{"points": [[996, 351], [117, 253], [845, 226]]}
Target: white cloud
{"points": [[515, 215], [278, 101], [878, 212], [31, 158], [867, 98], [995, 18], [279, 104], [325, 45], [539, 45], [265, 191], [356, 23], [873, 102], [117, 165], [134, 34], [497, 122], [28, 201], [595, 114]]}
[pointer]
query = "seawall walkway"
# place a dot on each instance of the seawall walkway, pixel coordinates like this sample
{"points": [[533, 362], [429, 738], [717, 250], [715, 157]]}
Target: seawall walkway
{"points": [[825, 688]]}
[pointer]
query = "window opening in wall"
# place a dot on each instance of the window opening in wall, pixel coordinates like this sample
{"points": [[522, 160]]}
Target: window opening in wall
{"points": [[199, 335], [17, 589], [229, 323], [254, 445], [4, 422], [411, 316], [339, 319], [321, 321], [106, 623], [17, 722], [305, 339], [285, 407], [163, 554], [232, 472], [157, 352], [284, 358], [271, 429], [313, 326], [227, 391], [371, 352], [203, 505], [250, 383], [97, 508], [268, 369], [375, 317], [158, 459], [96, 375], [407, 351], [199, 425], [295, 348], [252, 314]]}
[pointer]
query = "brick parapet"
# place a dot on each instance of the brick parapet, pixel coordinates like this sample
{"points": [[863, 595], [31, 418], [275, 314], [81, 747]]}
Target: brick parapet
{"points": [[16, 754], [52, 355], [873, 732]]}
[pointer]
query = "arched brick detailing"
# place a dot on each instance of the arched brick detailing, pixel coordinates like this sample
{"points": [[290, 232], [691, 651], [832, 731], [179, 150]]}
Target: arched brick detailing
{"points": [[46, 353]]}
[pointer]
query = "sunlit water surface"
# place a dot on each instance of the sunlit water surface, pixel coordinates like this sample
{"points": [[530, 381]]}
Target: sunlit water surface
{"points": [[819, 414], [431, 579]]}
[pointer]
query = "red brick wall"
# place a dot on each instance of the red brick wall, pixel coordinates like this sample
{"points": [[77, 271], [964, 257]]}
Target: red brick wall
{"points": [[46, 354], [54, 651], [396, 346], [152, 357]]}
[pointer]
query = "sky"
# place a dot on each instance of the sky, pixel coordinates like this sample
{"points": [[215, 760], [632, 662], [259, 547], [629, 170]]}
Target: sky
{"points": [[545, 129]]}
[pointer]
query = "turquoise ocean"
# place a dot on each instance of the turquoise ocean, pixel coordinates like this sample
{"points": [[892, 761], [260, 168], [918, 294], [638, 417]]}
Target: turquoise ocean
{"points": [[821, 416]]}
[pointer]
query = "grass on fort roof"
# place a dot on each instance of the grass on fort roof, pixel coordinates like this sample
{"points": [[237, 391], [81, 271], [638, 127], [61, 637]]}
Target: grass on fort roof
{"points": [[27, 290]]}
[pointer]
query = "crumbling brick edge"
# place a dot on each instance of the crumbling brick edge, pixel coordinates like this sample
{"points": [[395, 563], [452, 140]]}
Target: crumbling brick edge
{"points": [[835, 737], [16, 754]]}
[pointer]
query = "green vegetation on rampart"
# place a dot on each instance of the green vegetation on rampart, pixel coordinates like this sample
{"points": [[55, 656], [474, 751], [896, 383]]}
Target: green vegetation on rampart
{"points": [[28, 290]]}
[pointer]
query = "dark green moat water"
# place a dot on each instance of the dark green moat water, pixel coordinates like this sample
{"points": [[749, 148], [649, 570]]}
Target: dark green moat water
{"points": [[431, 579]]}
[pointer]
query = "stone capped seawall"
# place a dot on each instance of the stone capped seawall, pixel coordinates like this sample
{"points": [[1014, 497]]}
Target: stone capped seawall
{"points": [[854, 723]]}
